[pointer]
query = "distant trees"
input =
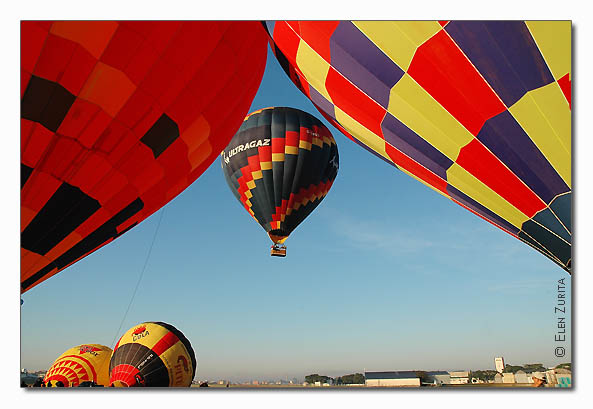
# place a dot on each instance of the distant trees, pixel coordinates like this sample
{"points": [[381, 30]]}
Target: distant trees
{"points": [[356, 378], [318, 378], [486, 375], [566, 365], [525, 368]]}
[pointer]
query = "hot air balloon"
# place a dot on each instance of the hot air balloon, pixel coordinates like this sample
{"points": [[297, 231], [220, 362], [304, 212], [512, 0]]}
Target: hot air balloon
{"points": [[152, 354], [117, 118], [480, 111], [83, 363], [280, 165]]}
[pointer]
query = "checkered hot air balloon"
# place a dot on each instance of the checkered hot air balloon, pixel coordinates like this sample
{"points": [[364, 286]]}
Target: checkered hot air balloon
{"points": [[117, 118], [280, 165], [480, 111]]}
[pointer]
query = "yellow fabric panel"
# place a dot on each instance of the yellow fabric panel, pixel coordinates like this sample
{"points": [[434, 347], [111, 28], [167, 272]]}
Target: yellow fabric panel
{"points": [[553, 38], [398, 39], [313, 67], [257, 175], [373, 141], [305, 145], [317, 142], [98, 359], [545, 115], [474, 188], [265, 165], [148, 338], [420, 112], [251, 184], [248, 194], [291, 150], [179, 365], [277, 157]]}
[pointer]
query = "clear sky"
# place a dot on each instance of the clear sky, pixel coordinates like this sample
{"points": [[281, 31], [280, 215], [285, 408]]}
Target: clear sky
{"points": [[385, 274]]}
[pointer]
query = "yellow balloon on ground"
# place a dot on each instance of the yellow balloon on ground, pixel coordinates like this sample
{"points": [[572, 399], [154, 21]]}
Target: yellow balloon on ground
{"points": [[83, 363], [152, 354]]}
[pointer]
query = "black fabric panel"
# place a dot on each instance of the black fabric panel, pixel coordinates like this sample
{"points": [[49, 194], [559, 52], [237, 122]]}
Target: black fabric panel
{"points": [[552, 243], [25, 173], [546, 218], [539, 247], [67, 209], [297, 172], [150, 365], [160, 135], [102, 234], [183, 340], [561, 206], [46, 102]]}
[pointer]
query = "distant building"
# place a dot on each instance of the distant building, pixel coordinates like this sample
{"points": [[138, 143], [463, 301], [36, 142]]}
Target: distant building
{"points": [[499, 364], [521, 377], [438, 377], [498, 378], [392, 378], [508, 377], [459, 377], [559, 378]]}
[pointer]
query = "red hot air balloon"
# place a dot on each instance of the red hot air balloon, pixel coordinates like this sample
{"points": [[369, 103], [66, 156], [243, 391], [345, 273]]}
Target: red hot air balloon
{"points": [[119, 117]]}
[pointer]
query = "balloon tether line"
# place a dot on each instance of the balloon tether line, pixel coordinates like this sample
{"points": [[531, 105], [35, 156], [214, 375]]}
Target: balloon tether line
{"points": [[139, 278]]}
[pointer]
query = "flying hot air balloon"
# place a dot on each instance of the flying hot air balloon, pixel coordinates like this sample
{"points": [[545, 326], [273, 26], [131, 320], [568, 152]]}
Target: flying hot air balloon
{"points": [[83, 363], [480, 111], [117, 118], [152, 354], [280, 165]]}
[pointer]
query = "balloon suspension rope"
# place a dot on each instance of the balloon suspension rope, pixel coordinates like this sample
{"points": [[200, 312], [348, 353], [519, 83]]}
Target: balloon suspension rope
{"points": [[139, 278]]}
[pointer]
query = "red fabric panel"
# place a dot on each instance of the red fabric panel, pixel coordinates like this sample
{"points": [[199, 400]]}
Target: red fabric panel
{"points": [[565, 86], [481, 163], [122, 47], [416, 169], [166, 342], [288, 39], [354, 102], [444, 72], [78, 70], [54, 58], [61, 157], [39, 141], [32, 39], [317, 35]]}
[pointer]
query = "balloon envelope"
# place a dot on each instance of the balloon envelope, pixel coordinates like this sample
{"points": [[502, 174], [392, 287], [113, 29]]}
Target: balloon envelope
{"points": [[280, 165], [152, 354], [117, 118], [83, 363], [479, 111]]}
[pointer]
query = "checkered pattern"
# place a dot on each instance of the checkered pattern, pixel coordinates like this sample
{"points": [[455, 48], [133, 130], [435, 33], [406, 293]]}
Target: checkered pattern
{"points": [[478, 111], [117, 118]]}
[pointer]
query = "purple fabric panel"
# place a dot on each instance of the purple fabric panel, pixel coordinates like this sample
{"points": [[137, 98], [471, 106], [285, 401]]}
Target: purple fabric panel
{"points": [[358, 59], [505, 138], [322, 103], [478, 208], [504, 53], [408, 142]]}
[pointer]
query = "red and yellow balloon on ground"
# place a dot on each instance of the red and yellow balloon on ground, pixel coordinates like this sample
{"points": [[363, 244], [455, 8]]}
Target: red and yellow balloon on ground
{"points": [[117, 118], [83, 363], [480, 111], [152, 354]]}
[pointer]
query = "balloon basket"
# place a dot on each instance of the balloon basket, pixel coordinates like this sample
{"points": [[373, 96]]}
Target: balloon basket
{"points": [[278, 250]]}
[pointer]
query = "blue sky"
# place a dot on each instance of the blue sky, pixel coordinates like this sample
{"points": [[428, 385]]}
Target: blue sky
{"points": [[385, 274]]}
